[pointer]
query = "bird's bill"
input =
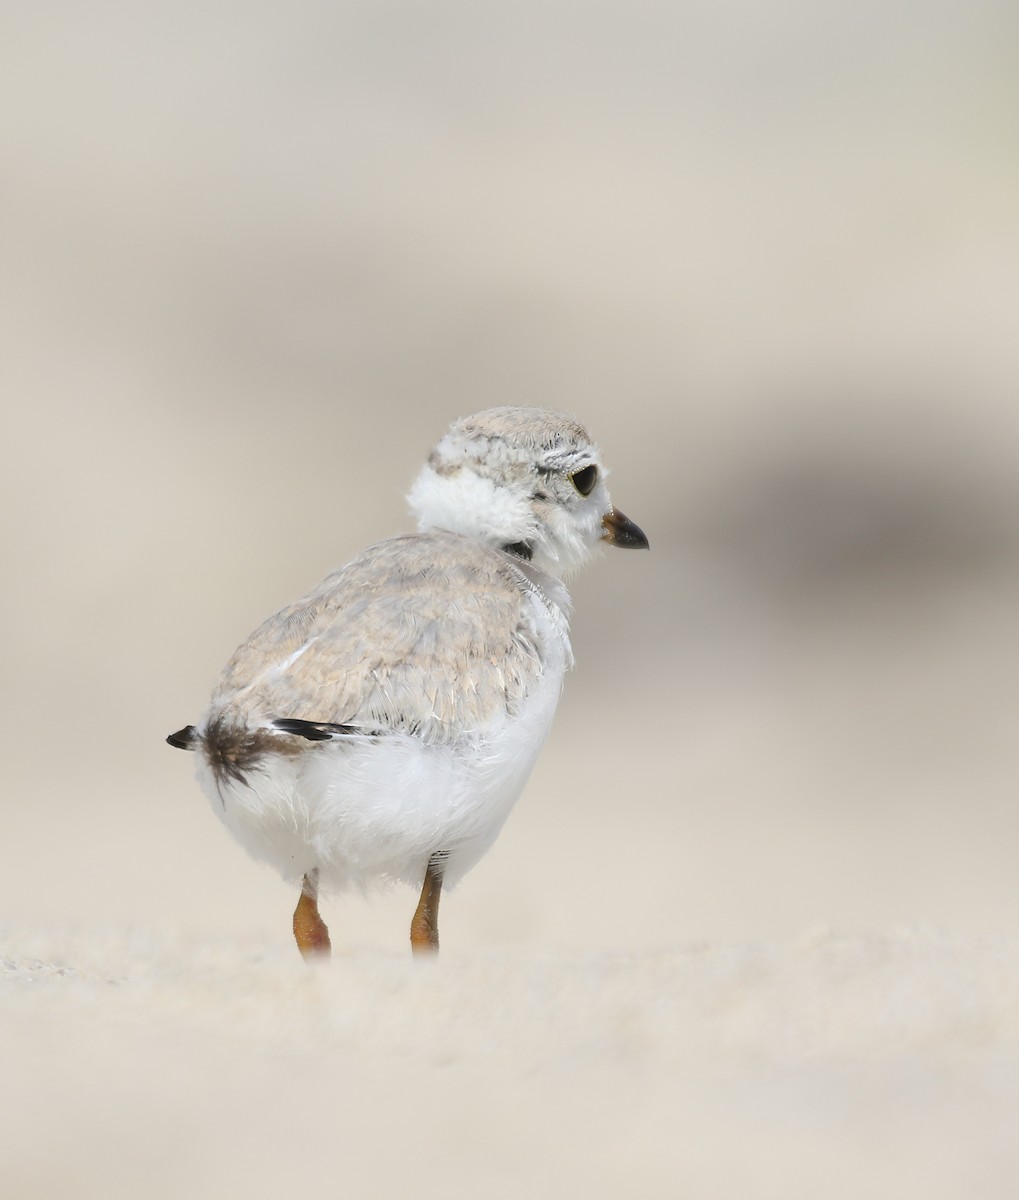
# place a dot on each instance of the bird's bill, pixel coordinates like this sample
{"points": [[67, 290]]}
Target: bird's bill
{"points": [[621, 531]]}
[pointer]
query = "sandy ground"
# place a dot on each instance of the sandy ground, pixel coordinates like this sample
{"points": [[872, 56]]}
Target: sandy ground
{"points": [[752, 930], [879, 1066]]}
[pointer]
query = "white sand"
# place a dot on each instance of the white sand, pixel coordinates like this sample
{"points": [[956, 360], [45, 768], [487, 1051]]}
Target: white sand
{"points": [[836, 1067]]}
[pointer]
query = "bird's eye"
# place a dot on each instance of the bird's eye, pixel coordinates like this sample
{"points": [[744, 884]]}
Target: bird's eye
{"points": [[585, 479]]}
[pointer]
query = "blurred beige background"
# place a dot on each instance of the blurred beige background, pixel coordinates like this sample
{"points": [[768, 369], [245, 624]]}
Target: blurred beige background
{"points": [[256, 256]]}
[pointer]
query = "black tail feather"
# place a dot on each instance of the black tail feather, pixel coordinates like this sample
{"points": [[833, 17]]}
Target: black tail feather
{"points": [[184, 739]]}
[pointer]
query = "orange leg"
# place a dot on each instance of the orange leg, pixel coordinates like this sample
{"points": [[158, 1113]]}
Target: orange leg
{"points": [[424, 928], [309, 928]]}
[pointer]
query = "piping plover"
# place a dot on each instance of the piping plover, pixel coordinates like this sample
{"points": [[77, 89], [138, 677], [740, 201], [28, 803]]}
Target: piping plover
{"points": [[382, 727]]}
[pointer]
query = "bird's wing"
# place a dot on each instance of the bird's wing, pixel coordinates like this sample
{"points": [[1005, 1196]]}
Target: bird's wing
{"points": [[430, 634]]}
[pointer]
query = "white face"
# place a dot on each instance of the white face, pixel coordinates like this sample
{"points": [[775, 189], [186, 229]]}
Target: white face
{"points": [[517, 477]]}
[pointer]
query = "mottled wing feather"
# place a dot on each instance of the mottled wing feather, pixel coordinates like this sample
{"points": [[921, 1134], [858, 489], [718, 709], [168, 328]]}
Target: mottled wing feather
{"points": [[429, 634]]}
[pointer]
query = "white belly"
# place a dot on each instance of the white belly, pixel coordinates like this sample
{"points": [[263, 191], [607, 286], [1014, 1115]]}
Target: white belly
{"points": [[368, 811]]}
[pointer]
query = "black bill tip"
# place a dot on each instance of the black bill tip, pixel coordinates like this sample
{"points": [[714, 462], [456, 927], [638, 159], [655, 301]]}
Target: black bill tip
{"points": [[621, 531]]}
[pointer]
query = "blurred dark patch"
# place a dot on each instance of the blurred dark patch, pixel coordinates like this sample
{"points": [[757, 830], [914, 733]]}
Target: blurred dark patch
{"points": [[835, 492]]}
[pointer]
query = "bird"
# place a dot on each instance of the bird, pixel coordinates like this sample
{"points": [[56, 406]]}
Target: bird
{"points": [[380, 729]]}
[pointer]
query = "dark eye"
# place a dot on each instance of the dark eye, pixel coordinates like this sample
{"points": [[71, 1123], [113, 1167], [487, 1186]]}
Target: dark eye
{"points": [[585, 479]]}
